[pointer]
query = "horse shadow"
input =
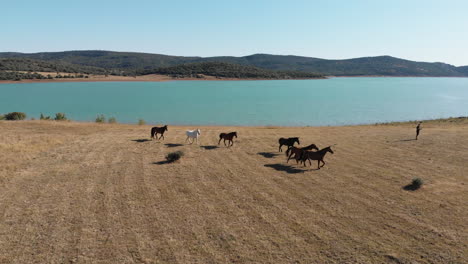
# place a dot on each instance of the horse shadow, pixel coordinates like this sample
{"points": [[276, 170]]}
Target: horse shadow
{"points": [[285, 168], [141, 140], [268, 155], [171, 145], [209, 147], [161, 162]]}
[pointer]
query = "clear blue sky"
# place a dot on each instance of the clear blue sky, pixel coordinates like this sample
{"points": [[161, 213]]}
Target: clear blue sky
{"points": [[422, 30]]}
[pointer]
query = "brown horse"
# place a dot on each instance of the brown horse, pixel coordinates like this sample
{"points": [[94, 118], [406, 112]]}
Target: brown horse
{"points": [[158, 130], [316, 155], [228, 137], [287, 142], [298, 152]]}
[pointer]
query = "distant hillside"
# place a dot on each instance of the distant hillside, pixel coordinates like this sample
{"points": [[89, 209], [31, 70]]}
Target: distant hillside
{"points": [[463, 69], [130, 62], [106, 59], [228, 70], [32, 65]]}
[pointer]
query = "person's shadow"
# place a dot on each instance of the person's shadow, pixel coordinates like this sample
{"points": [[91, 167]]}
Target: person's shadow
{"points": [[406, 140]]}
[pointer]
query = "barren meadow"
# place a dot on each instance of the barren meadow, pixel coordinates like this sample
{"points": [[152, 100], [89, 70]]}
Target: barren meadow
{"points": [[102, 193]]}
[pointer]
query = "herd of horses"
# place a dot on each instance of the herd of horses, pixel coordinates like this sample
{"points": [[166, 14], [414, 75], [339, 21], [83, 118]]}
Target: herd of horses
{"points": [[301, 155]]}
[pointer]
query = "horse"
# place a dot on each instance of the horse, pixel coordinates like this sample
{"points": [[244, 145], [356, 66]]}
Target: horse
{"points": [[193, 134], [158, 130], [228, 137], [288, 142], [298, 152], [316, 155]]}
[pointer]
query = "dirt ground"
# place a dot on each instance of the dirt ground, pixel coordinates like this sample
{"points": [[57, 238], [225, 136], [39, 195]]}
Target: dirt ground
{"points": [[100, 193]]}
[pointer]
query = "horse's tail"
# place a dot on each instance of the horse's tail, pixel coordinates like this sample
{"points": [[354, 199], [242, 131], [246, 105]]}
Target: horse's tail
{"points": [[287, 151]]}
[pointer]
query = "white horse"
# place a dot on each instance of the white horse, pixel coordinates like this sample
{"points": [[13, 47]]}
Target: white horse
{"points": [[192, 134]]}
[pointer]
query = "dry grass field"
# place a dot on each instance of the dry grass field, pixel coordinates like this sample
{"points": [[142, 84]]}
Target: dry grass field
{"points": [[100, 193]]}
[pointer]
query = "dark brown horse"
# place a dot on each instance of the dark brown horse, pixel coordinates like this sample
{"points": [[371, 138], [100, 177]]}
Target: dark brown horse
{"points": [[158, 130], [228, 137], [316, 155], [287, 142], [298, 152]]}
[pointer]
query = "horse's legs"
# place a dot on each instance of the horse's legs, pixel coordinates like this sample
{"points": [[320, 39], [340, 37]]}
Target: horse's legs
{"points": [[280, 148], [318, 164], [232, 142], [186, 139], [323, 163], [162, 136], [219, 142], [224, 141]]}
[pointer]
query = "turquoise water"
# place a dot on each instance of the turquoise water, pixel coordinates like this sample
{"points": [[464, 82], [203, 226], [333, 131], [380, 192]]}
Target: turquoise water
{"points": [[336, 101]]}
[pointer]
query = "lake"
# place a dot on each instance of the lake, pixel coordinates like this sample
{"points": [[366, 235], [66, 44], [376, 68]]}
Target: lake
{"points": [[335, 101]]}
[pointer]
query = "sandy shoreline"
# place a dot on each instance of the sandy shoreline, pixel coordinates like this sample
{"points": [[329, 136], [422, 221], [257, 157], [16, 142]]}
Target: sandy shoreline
{"points": [[144, 78], [164, 78]]}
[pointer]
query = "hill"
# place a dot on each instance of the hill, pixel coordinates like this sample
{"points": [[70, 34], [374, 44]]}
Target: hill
{"points": [[129, 62], [75, 192], [33, 65], [228, 70]]}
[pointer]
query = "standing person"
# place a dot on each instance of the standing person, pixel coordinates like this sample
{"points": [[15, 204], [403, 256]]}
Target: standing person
{"points": [[418, 128]]}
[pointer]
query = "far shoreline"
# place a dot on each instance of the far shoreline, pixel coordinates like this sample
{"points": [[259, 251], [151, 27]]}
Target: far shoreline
{"points": [[144, 78], [164, 78], [447, 120]]}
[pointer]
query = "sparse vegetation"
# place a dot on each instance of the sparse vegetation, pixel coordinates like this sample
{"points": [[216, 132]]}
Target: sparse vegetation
{"points": [[112, 120], [174, 156], [15, 116], [2, 117], [141, 122], [100, 119], [60, 117], [43, 117]]}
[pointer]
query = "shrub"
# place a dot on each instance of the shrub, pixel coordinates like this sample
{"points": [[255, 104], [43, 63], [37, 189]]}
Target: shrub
{"points": [[141, 122], [417, 183], [15, 116], [60, 117], [42, 117], [174, 156], [100, 119], [112, 120], [2, 117]]}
